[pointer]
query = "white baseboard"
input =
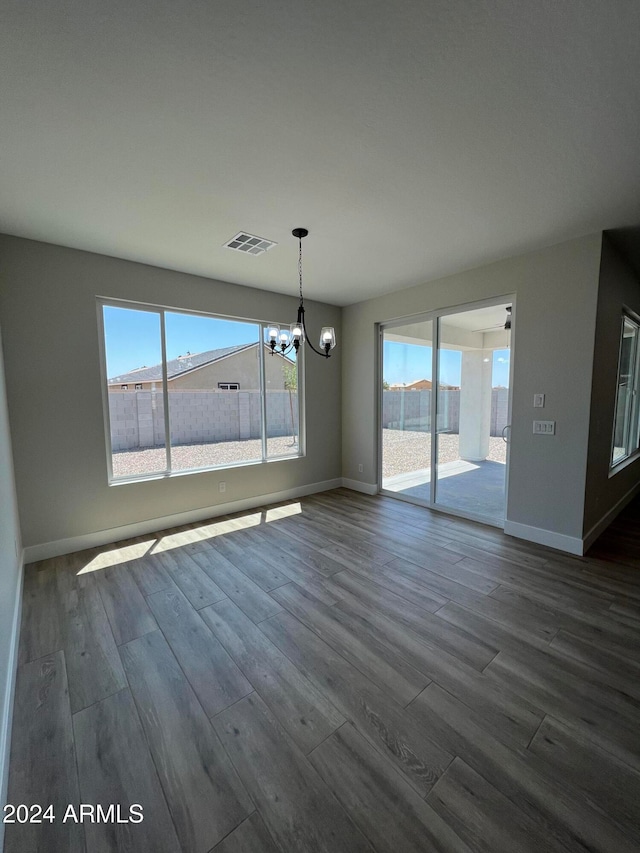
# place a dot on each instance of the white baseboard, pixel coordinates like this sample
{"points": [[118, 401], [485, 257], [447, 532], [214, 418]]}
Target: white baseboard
{"points": [[6, 715], [357, 486], [608, 517], [152, 525], [559, 541]]}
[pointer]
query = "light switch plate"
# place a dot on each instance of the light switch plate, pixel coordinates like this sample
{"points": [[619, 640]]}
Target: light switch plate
{"points": [[544, 427], [538, 401]]}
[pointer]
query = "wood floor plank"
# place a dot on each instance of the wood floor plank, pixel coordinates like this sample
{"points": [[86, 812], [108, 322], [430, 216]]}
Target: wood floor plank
{"points": [[384, 807], [624, 671], [486, 819], [195, 584], [505, 639], [433, 582], [612, 787], [150, 575], [251, 836], [504, 713], [297, 807], [241, 553], [455, 573], [94, 669], [377, 717], [467, 544], [364, 521], [301, 553], [40, 632], [125, 606], [594, 627], [253, 601], [205, 797], [302, 710], [365, 547], [400, 584], [115, 766], [296, 570], [517, 623], [559, 692], [378, 661], [473, 650], [215, 678], [543, 586], [43, 762], [520, 776]]}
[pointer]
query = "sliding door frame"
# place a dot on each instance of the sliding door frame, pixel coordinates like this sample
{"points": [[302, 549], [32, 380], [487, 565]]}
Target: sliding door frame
{"points": [[434, 317]]}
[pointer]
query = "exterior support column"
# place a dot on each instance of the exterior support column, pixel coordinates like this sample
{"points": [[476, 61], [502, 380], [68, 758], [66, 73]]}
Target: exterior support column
{"points": [[475, 404]]}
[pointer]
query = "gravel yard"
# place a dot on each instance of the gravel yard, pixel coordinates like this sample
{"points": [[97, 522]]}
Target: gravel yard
{"points": [[131, 463], [403, 452]]}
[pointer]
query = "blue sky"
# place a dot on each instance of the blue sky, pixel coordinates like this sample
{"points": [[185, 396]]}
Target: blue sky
{"points": [[133, 340], [409, 362], [133, 337]]}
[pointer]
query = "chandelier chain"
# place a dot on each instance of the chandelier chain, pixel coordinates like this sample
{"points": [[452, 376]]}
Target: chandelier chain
{"points": [[300, 267]]}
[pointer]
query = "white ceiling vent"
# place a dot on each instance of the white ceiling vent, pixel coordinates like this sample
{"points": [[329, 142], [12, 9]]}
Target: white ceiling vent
{"points": [[249, 244]]}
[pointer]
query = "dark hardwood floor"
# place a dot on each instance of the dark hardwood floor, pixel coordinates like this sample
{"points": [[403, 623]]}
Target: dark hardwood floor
{"points": [[343, 673]]}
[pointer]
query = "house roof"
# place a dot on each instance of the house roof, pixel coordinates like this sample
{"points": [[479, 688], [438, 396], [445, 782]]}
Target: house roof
{"points": [[178, 366]]}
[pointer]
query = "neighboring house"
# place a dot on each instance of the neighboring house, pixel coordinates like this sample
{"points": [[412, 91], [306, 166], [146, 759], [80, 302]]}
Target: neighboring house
{"points": [[418, 385], [421, 385], [235, 368]]}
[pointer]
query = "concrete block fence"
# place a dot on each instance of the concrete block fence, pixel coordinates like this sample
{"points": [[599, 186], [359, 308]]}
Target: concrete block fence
{"points": [[411, 410], [197, 417]]}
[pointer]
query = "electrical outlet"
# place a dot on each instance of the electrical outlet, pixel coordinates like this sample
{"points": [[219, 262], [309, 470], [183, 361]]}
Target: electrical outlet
{"points": [[222, 487], [361, 468]]}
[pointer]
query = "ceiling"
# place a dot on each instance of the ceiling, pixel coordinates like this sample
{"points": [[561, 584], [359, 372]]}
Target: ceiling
{"points": [[413, 139]]}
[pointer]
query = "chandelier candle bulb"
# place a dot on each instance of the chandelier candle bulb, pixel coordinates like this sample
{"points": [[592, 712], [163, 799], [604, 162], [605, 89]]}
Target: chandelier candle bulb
{"points": [[327, 338]]}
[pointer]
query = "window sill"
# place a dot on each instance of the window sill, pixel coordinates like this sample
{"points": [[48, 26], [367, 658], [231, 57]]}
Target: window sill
{"points": [[624, 463], [167, 475]]}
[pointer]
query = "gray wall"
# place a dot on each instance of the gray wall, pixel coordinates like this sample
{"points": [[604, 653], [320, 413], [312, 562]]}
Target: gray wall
{"points": [[619, 287], [556, 298], [47, 301], [196, 417], [411, 410], [10, 548]]}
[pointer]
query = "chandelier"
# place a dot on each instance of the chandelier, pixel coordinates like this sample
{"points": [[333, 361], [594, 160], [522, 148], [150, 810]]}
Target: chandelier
{"points": [[284, 340]]}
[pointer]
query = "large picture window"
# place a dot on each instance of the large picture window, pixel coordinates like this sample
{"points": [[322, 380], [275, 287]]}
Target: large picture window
{"points": [[187, 392], [626, 427]]}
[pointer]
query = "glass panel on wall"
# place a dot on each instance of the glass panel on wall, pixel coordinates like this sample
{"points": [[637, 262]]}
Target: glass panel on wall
{"points": [[213, 380], [406, 409], [133, 355], [472, 411]]}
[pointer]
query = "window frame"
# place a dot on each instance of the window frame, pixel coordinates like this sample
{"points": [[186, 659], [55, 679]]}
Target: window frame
{"points": [[161, 310], [632, 416]]}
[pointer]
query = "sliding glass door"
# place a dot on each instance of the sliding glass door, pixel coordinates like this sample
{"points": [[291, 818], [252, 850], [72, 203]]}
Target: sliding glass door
{"points": [[443, 441], [407, 357]]}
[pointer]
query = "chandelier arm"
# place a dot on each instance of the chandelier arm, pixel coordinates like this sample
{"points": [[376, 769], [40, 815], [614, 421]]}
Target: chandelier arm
{"points": [[277, 350], [307, 340]]}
